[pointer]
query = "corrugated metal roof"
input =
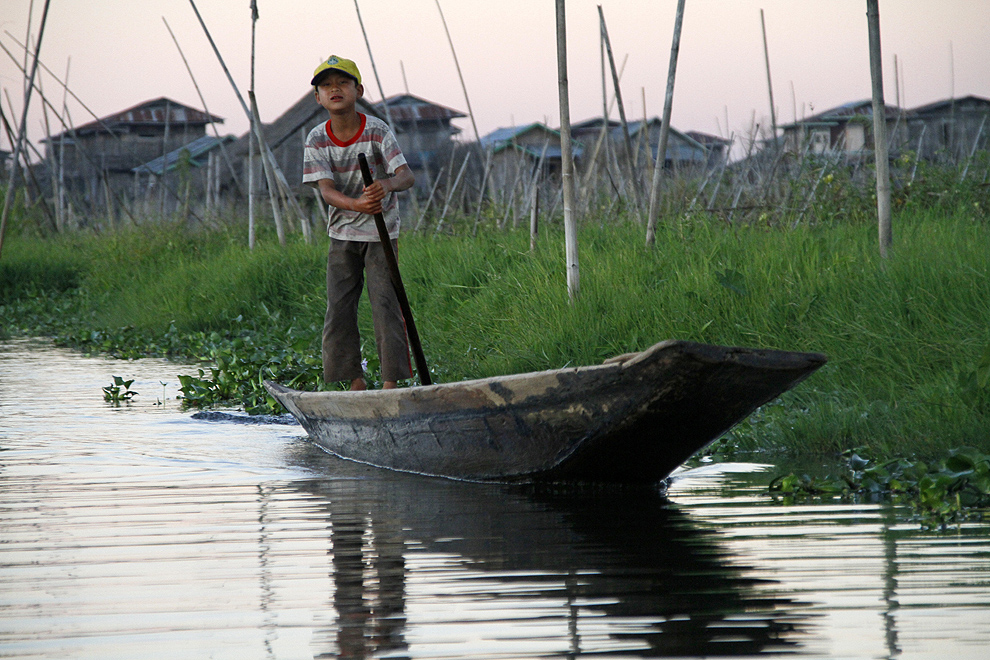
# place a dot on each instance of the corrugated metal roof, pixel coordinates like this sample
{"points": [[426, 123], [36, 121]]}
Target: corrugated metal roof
{"points": [[847, 111], [196, 149], [501, 136], [407, 107], [948, 103], [157, 112]]}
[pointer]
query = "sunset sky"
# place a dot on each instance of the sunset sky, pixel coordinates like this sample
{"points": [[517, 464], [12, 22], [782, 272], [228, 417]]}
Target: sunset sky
{"points": [[119, 53]]}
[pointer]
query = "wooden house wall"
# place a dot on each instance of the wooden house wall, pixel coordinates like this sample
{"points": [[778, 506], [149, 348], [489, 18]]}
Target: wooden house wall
{"points": [[949, 132]]}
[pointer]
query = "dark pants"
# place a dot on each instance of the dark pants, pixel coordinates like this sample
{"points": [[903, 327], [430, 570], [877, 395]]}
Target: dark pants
{"points": [[347, 265]]}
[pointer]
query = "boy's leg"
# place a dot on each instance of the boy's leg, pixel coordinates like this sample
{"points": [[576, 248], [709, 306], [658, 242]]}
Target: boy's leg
{"points": [[390, 327], [341, 341]]}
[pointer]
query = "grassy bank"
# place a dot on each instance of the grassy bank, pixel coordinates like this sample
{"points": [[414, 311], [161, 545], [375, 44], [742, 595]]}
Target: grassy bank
{"points": [[905, 337]]}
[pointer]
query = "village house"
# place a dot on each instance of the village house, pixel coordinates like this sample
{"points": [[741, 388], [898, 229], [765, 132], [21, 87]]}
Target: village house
{"points": [[101, 156], [196, 167], [423, 130], [949, 129], [846, 129], [520, 153], [683, 150]]}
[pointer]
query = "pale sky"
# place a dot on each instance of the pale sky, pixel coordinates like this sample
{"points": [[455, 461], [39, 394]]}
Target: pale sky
{"points": [[119, 54]]}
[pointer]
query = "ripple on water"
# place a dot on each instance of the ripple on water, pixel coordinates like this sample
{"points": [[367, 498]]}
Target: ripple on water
{"points": [[138, 531]]}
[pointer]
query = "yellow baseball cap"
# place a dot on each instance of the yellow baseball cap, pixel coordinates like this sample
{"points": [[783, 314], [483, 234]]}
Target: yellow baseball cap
{"points": [[337, 64]]}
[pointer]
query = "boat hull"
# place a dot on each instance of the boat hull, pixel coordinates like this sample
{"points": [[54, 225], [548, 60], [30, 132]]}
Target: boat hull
{"points": [[633, 419]]}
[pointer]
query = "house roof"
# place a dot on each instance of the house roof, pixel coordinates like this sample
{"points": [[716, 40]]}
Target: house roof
{"points": [[636, 126], [157, 112], [506, 138], [196, 149], [593, 124], [304, 114], [500, 137], [707, 139], [409, 108], [845, 112], [947, 104]]}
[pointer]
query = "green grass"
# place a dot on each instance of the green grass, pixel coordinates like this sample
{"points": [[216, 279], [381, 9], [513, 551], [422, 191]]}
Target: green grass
{"points": [[905, 336]]}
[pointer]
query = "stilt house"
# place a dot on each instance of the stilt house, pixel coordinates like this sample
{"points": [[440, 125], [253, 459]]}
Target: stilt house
{"points": [[847, 129], [423, 130], [950, 129], [99, 157]]}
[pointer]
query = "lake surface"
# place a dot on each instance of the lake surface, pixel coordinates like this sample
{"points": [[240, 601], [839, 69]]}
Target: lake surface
{"points": [[138, 531]]}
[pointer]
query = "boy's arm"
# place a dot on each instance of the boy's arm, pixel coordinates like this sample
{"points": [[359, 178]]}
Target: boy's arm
{"points": [[402, 179], [369, 202]]}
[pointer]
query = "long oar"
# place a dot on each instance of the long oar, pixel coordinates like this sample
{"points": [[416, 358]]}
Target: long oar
{"points": [[400, 291]]}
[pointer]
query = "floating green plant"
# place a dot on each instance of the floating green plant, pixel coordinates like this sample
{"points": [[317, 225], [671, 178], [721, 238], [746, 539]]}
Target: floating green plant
{"points": [[119, 390], [952, 490]]}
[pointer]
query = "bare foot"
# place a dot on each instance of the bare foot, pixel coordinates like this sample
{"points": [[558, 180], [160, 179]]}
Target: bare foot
{"points": [[389, 385], [358, 384]]}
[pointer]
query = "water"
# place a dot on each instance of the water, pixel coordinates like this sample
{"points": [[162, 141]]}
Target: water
{"points": [[140, 532]]}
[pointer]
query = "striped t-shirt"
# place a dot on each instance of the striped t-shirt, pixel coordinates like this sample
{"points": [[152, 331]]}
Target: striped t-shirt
{"points": [[326, 157]]}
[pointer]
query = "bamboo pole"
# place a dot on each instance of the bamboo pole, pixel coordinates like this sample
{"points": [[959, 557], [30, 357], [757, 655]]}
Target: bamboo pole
{"points": [[972, 152], [266, 166], [216, 131], [165, 150], [457, 65], [626, 140], [61, 153], [21, 131], [374, 69], [879, 130], [450, 193], [567, 159], [28, 168], [654, 209], [433, 190], [534, 220], [481, 195], [252, 186], [55, 219], [766, 57], [602, 134]]}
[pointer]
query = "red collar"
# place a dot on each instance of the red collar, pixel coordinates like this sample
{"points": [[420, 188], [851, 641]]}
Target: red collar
{"points": [[360, 131]]}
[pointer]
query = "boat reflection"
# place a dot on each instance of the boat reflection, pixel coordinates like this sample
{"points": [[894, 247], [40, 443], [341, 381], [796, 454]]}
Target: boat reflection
{"points": [[564, 571]]}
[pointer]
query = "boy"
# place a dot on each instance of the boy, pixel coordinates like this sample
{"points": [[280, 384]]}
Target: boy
{"points": [[330, 163]]}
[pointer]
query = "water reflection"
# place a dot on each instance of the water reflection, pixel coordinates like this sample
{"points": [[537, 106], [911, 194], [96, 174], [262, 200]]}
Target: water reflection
{"points": [[612, 571], [141, 532]]}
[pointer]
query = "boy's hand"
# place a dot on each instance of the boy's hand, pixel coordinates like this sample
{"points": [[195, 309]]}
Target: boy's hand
{"points": [[370, 201]]}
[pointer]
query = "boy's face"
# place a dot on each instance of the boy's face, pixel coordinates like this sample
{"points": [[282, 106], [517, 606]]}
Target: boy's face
{"points": [[338, 92]]}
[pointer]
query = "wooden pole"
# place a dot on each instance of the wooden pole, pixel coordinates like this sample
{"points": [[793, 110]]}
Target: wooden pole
{"points": [[400, 291], [766, 57], [879, 129], [21, 131], [567, 159], [668, 102]]}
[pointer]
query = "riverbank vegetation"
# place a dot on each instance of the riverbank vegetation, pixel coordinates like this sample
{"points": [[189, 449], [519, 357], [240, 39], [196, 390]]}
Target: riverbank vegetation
{"points": [[908, 338]]}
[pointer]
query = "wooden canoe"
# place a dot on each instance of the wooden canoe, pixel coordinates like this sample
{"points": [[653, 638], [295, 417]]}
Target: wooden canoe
{"points": [[633, 419]]}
